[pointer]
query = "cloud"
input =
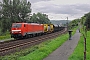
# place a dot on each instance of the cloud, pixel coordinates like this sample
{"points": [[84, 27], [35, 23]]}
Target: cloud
{"points": [[61, 8], [0, 0], [83, 7], [47, 7]]}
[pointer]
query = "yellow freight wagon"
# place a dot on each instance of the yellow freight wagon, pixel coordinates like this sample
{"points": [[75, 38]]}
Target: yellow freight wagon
{"points": [[51, 28], [45, 28], [48, 28]]}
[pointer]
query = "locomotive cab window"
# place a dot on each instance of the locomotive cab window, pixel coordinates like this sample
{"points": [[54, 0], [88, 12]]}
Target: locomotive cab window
{"points": [[17, 25]]}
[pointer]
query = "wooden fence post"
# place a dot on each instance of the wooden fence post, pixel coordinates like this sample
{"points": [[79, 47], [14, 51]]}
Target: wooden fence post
{"points": [[84, 47]]}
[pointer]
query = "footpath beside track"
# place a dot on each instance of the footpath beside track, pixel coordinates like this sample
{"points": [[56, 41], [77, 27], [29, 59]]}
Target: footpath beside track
{"points": [[64, 51]]}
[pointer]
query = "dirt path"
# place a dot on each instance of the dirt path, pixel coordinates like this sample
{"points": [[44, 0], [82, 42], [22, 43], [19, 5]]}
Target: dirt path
{"points": [[64, 51]]}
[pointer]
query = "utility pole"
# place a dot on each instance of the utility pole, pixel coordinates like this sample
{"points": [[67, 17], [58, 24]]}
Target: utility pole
{"points": [[67, 23]]}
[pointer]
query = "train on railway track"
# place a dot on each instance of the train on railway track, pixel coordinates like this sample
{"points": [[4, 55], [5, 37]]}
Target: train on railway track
{"points": [[25, 30]]}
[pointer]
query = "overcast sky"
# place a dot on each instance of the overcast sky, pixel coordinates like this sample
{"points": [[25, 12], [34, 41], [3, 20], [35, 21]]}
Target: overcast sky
{"points": [[60, 9]]}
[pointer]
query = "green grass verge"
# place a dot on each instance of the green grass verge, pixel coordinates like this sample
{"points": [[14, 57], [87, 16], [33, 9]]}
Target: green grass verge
{"points": [[74, 30], [5, 37], [78, 53]]}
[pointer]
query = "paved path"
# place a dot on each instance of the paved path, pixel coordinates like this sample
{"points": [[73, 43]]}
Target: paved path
{"points": [[64, 51]]}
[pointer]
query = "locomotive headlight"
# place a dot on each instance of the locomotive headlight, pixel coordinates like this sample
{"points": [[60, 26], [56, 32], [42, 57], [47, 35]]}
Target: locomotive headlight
{"points": [[19, 31], [12, 32]]}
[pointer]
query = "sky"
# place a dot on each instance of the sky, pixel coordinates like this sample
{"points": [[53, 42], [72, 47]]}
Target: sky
{"points": [[61, 9]]}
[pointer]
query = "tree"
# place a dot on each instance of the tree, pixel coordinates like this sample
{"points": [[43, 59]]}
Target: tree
{"points": [[25, 10], [87, 23], [82, 20], [14, 11], [73, 23], [40, 18]]}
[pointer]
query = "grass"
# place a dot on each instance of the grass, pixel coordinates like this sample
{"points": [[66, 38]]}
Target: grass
{"points": [[78, 53], [5, 37]]}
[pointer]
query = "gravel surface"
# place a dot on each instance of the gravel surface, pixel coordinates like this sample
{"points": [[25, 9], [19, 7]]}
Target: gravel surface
{"points": [[64, 51]]}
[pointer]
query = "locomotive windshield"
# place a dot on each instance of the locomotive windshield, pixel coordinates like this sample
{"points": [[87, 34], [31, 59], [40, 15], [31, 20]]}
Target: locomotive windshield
{"points": [[17, 25]]}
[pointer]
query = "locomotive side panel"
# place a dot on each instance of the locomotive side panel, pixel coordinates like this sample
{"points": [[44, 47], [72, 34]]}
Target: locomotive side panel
{"points": [[24, 29], [37, 28]]}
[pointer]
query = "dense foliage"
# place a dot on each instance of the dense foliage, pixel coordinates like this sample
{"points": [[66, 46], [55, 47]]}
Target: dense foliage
{"points": [[73, 23], [39, 18], [87, 23], [84, 21]]}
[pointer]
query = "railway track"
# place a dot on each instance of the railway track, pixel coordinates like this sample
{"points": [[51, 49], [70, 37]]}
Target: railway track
{"points": [[13, 46]]}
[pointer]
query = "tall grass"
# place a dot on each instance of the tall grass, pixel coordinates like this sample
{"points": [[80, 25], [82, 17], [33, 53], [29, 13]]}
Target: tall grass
{"points": [[5, 36], [78, 53]]}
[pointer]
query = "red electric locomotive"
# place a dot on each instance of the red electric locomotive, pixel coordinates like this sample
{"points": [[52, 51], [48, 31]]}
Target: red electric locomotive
{"points": [[20, 30]]}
